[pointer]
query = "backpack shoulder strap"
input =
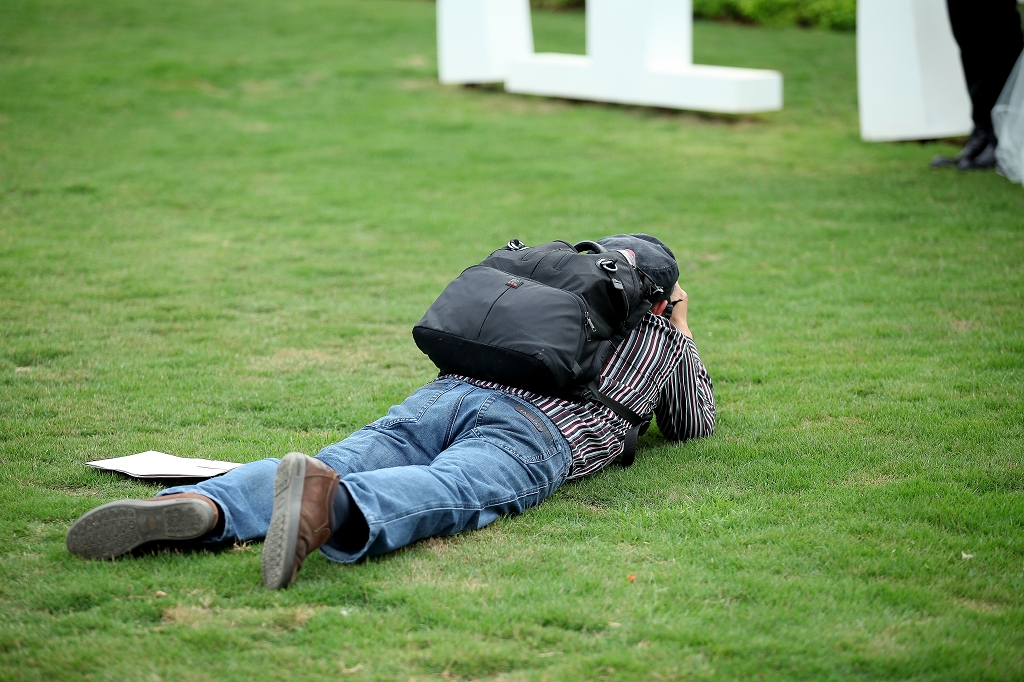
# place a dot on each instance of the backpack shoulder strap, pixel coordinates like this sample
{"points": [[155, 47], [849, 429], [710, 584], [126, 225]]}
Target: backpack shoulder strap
{"points": [[638, 424]]}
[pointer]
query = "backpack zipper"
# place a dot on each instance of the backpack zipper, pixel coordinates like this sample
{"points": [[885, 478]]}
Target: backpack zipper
{"points": [[622, 290], [591, 329]]}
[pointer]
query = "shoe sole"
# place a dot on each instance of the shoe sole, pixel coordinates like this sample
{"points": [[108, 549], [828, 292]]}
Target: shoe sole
{"points": [[278, 560], [117, 528]]}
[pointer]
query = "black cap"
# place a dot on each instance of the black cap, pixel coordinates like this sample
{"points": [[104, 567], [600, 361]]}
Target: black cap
{"points": [[652, 256]]}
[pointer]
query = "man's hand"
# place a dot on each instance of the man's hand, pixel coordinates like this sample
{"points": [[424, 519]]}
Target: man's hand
{"points": [[679, 300]]}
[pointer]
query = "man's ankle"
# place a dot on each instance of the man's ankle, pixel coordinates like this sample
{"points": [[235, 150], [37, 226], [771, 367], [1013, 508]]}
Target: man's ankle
{"points": [[350, 530]]}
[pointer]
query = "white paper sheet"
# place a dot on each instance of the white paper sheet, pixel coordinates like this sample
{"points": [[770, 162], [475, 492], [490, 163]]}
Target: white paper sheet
{"points": [[153, 464]]}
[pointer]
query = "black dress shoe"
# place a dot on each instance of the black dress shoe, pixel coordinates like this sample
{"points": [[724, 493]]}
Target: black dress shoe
{"points": [[976, 144], [985, 160]]}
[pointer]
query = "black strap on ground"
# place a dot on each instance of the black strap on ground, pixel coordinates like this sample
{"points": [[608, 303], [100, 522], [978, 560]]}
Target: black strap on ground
{"points": [[639, 424]]}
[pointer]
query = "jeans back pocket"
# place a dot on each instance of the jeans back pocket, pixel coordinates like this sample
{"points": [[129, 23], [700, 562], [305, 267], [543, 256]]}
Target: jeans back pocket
{"points": [[518, 428]]}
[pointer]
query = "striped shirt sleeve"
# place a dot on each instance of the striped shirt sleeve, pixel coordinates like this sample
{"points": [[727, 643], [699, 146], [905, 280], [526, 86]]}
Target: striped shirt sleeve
{"points": [[686, 404]]}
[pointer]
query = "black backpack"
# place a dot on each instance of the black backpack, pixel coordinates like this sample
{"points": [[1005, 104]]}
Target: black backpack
{"points": [[543, 318]]}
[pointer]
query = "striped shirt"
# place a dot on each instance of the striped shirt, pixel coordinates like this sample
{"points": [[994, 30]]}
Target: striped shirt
{"points": [[655, 368]]}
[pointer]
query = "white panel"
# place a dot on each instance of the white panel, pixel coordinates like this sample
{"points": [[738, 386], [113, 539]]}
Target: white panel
{"points": [[510, 31], [910, 83], [476, 38], [694, 87], [671, 33], [462, 41], [947, 102]]}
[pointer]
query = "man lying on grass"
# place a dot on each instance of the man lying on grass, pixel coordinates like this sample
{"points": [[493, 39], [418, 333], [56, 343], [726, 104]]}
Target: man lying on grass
{"points": [[457, 453]]}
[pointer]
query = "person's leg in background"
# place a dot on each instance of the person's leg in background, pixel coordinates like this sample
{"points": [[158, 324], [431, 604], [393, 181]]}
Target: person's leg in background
{"points": [[990, 40]]}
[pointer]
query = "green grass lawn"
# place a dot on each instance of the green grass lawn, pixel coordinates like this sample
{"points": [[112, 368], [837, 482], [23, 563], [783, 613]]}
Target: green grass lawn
{"points": [[219, 221]]}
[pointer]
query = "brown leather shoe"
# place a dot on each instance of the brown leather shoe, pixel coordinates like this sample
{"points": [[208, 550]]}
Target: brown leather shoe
{"points": [[302, 519], [117, 528]]}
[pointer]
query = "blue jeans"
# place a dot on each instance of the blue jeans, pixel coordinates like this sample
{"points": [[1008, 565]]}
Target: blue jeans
{"points": [[451, 457]]}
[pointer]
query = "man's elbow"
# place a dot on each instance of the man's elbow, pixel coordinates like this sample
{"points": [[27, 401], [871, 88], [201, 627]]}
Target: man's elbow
{"points": [[705, 428], [704, 425], [701, 428]]}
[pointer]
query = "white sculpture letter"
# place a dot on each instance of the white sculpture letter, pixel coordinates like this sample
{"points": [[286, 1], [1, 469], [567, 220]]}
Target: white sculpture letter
{"points": [[910, 82], [476, 38], [638, 52]]}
